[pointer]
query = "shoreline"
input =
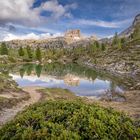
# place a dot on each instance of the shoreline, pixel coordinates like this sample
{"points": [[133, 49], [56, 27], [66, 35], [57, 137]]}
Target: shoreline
{"points": [[7, 114], [130, 107], [122, 75]]}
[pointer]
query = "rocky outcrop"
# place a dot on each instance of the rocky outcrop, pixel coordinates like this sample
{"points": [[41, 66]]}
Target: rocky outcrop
{"points": [[136, 20], [130, 30], [72, 35], [71, 38], [47, 43], [83, 42]]}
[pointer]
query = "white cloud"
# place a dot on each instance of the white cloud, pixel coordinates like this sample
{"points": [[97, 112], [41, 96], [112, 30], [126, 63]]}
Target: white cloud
{"points": [[21, 11], [18, 11], [11, 36], [57, 10], [100, 23]]}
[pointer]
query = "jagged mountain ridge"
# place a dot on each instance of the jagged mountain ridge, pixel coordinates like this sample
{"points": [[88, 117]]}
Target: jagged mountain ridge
{"points": [[67, 41], [58, 42], [130, 30]]}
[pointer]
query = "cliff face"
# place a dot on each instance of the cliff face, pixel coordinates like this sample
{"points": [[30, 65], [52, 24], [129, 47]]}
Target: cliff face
{"points": [[130, 30], [72, 38], [136, 20], [72, 35]]}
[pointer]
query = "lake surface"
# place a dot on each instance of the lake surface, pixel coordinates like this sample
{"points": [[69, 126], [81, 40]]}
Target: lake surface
{"points": [[80, 80]]}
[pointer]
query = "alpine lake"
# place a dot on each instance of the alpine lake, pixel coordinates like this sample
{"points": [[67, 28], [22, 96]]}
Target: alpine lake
{"points": [[82, 81]]}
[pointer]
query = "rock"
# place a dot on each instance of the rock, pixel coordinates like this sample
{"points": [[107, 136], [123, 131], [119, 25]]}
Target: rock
{"points": [[72, 35], [137, 86], [49, 61], [130, 30]]}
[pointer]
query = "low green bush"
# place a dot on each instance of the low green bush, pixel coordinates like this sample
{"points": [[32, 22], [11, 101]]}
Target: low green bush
{"points": [[72, 120]]}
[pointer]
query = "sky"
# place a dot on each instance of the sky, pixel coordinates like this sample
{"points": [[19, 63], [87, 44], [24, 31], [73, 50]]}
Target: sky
{"points": [[40, 19]]}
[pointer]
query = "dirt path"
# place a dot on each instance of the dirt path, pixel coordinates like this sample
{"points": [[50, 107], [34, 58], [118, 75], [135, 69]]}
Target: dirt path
{"points": [[8, 114]]}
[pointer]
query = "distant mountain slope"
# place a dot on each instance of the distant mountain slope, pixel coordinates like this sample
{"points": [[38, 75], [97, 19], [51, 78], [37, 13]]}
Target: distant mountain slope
{"points": [[58, 42], [130, 30]]}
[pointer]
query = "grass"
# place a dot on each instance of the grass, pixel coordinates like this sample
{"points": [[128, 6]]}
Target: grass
{"points": [[10, 102], [7, 89], [61, 116], [57, 93], [7, 84], [7, 103]]}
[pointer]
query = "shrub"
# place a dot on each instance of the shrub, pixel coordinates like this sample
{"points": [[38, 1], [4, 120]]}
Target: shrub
{"points": [[69, 120]]}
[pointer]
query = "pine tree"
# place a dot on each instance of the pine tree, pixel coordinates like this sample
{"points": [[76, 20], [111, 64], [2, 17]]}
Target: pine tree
{"points": [[29, 53], [38, 70], [103, 47], [21, 51], [119, 44], [136, 34], [97, 44], [38, 54], [3, 49], [123, 42], [115, 39]]}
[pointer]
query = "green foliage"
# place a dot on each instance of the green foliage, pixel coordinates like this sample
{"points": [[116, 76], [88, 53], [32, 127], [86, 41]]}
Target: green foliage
{"points": [[29, 52], [22, 72], [97, 44], [136, 34], [3, 49], [119, 44], [115, 39], [21, 51], [38, 70], [123, 40], [92, 48], [59, 120], [103, 47], [38, 54]]}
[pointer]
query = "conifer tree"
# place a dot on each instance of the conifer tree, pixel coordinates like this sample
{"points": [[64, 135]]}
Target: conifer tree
{"points": [[119, 44], [3, 49], [21, 51], [29, 52], [97, 44], [115, 39], [38, 54], [103, 47]]}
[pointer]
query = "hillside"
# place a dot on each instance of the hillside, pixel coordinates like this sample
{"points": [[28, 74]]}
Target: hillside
{"points": [[122, 58]]}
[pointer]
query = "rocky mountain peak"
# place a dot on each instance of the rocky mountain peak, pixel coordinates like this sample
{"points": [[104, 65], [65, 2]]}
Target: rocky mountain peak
{"points": [[130, 30], [136, 20], [72, 35]]}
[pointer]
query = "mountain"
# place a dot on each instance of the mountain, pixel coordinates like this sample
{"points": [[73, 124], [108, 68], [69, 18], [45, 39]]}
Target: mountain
{"points": [[74, 38], [71, 38], [130, 30]]}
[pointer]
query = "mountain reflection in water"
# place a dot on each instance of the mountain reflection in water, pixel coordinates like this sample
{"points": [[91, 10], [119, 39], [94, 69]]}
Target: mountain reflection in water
{"points": [[80, 80]]}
